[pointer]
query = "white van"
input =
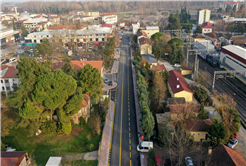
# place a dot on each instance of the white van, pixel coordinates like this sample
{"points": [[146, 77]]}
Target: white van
{"points": [[12, 60], [145, 146]]}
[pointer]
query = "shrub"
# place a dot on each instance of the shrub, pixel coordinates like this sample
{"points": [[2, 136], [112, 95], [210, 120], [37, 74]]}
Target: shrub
{"points": [[49, 127], [95, 124], [91, 147], [82, 121], [151, 158], [3, 148], [202, 113]]}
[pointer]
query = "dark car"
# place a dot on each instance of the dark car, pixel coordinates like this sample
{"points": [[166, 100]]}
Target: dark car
{"points": [[110, 83]]}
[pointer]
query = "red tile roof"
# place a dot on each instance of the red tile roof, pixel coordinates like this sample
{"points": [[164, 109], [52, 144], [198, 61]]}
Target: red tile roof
{"points": [[197, 36], [85, 101], [21, 20], [61, 27], [11, 72], [223, 155], [106, 14], [80, 64], [142, 33], [175, 79], [186, 68], [144, 40], [158, 67], [3, 66], [107, 25], [212, 35], [207, 25], [198, 125], [12, 158], [229, 3]]}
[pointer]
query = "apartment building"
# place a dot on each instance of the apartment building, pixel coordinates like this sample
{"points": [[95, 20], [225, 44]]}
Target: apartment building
{"points": [[203, 15], [8, 35], [108, 18], [231, 4], [8, 78]]}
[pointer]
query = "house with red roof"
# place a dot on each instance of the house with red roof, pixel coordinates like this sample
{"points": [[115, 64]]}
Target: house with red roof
{"points": [[8, 78], [213, 37], [158, 68], [231, 4], [81, 64], [145, 45], [207, 27], [141, 34], [198, 128], [84, 111], [223, 155], [178, 87], [108, 18], [17, 158]]}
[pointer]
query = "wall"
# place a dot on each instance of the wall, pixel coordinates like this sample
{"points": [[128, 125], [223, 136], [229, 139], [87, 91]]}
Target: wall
{"points": [[146, 49], [200, 17], [206, 30], [150, 32], [10, 83], [197, 138], [187, 95], [169, 88], [186, 72]]}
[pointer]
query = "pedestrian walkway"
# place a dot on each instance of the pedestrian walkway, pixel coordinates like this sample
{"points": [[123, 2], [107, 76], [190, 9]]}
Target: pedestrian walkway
{"points": [[81, 156]]}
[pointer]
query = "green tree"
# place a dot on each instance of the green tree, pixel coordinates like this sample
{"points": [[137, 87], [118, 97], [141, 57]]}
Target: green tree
{"points": [[151, 158], [216, 132], [201, 93], [202, 113], [175, 55], [103, 22], [165, 75], [198, 30], [157, 52], [90, 80], [24, 31], [3, 148], [43, 49], [174, 22], [14, 26], [108, 52], [181, 55], [148, 124], [67, 67], [157, 36], [178, 42]]}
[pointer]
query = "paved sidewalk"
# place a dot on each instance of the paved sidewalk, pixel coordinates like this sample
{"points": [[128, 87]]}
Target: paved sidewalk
{"points": [[82, 156], [107, 88]]}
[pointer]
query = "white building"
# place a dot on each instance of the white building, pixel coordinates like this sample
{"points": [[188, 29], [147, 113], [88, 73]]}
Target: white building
{"points": [[108, 18], [203, 15], [234, 57], [36, 22], [8, 78], [150, 30], [8, 34], [232, 4], [135, 28]]}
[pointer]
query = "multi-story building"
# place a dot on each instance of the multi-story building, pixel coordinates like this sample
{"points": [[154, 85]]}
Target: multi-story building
{"points": [[207, 27], [8, 78], [91, 14], [8, 35], [203, 15], [36, 22], [150, 30], [108, 18], [231, 4]]}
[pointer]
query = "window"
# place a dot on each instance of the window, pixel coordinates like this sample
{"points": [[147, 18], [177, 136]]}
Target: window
{"points": [[84, 40], [35, 41], [194, 134], [41, 35], [96, 39], [103, 34], [6, 81], [96, 34], [34, 36], [1, 81], [90, 39], [102, 39], [47, 35], [7, 88], [13, 79], [3, 88], [198, 133]]}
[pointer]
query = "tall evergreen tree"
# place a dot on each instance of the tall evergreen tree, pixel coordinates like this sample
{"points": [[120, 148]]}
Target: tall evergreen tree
{"points": [[14, 26], [24, 31]]}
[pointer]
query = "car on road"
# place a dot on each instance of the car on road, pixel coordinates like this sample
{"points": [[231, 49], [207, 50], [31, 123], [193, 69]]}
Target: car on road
{"points": [[232, 143], [2, 60], [188, 161], [176, 65], [110, 83], [145, 146], [106, 80]]}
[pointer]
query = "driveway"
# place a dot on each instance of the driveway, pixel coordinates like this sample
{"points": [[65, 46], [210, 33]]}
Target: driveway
{"points": [[167, 65]]}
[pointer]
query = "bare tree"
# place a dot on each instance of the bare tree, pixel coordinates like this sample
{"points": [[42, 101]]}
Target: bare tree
{"points": [[160, 89]]}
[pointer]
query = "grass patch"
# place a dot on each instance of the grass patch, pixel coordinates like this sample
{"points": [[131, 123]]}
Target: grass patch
{"points": [[41, 147], [80, 162]]}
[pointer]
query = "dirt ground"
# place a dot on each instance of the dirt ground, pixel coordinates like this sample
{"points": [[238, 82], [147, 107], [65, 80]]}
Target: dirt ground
{"points": [[241, 147]]}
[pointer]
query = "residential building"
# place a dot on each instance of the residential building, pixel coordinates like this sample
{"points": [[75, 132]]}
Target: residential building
{"points": [[92, 14], [19, 23], [82, 36], [66, 27], [36, 23], [8, 35], [213, 37], [203, 15], [207, 27], [84, 111], [54, 161], [197, 37], [145, 46], [234, 20], [198, 128], [135, 28], [238, 40], [121, 24], [141, 34], [158, 68], [75, 12], [8, 78], [178, 87], [54, 19], [16, 158], [226, 156], [81, 64], [150, 30], [231, 4], [108, 18], [234, 57], [151, 59]]}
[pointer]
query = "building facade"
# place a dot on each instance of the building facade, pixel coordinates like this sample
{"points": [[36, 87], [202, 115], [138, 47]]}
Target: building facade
{"points": [[231, 4], [203, 15], [150, 30], [8, 35], [108, 18], [207, 27]]}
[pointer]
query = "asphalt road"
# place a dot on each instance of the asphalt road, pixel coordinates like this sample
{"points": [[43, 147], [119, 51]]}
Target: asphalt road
{"points": [[124, 140]]}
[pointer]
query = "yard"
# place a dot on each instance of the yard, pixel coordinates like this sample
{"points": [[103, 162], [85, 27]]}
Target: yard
{"points": [[41, 147]]}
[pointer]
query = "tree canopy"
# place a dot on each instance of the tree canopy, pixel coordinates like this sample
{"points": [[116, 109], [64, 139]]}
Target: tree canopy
{"points": [[157, 52], [24, 32], [43, 49], [157, 36], [216, 132], [178, 42], [201, 93], [108, 52], [174, 22], [14, 26]]}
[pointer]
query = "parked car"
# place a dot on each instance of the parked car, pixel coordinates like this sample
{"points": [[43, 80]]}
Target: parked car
{"points": [[188, 161], [12, 60], [232, 143], [176, 65], [110, 83], [145, 146], [106, 80]]}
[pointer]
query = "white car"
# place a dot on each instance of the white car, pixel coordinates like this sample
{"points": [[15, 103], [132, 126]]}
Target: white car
{"points": [[232, 143], [176, 65], [188, 161]]}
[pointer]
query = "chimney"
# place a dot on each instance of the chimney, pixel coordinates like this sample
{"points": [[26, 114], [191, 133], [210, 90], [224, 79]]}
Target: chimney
{"points": [[177, 79], [210, 150], [177, 86]]}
